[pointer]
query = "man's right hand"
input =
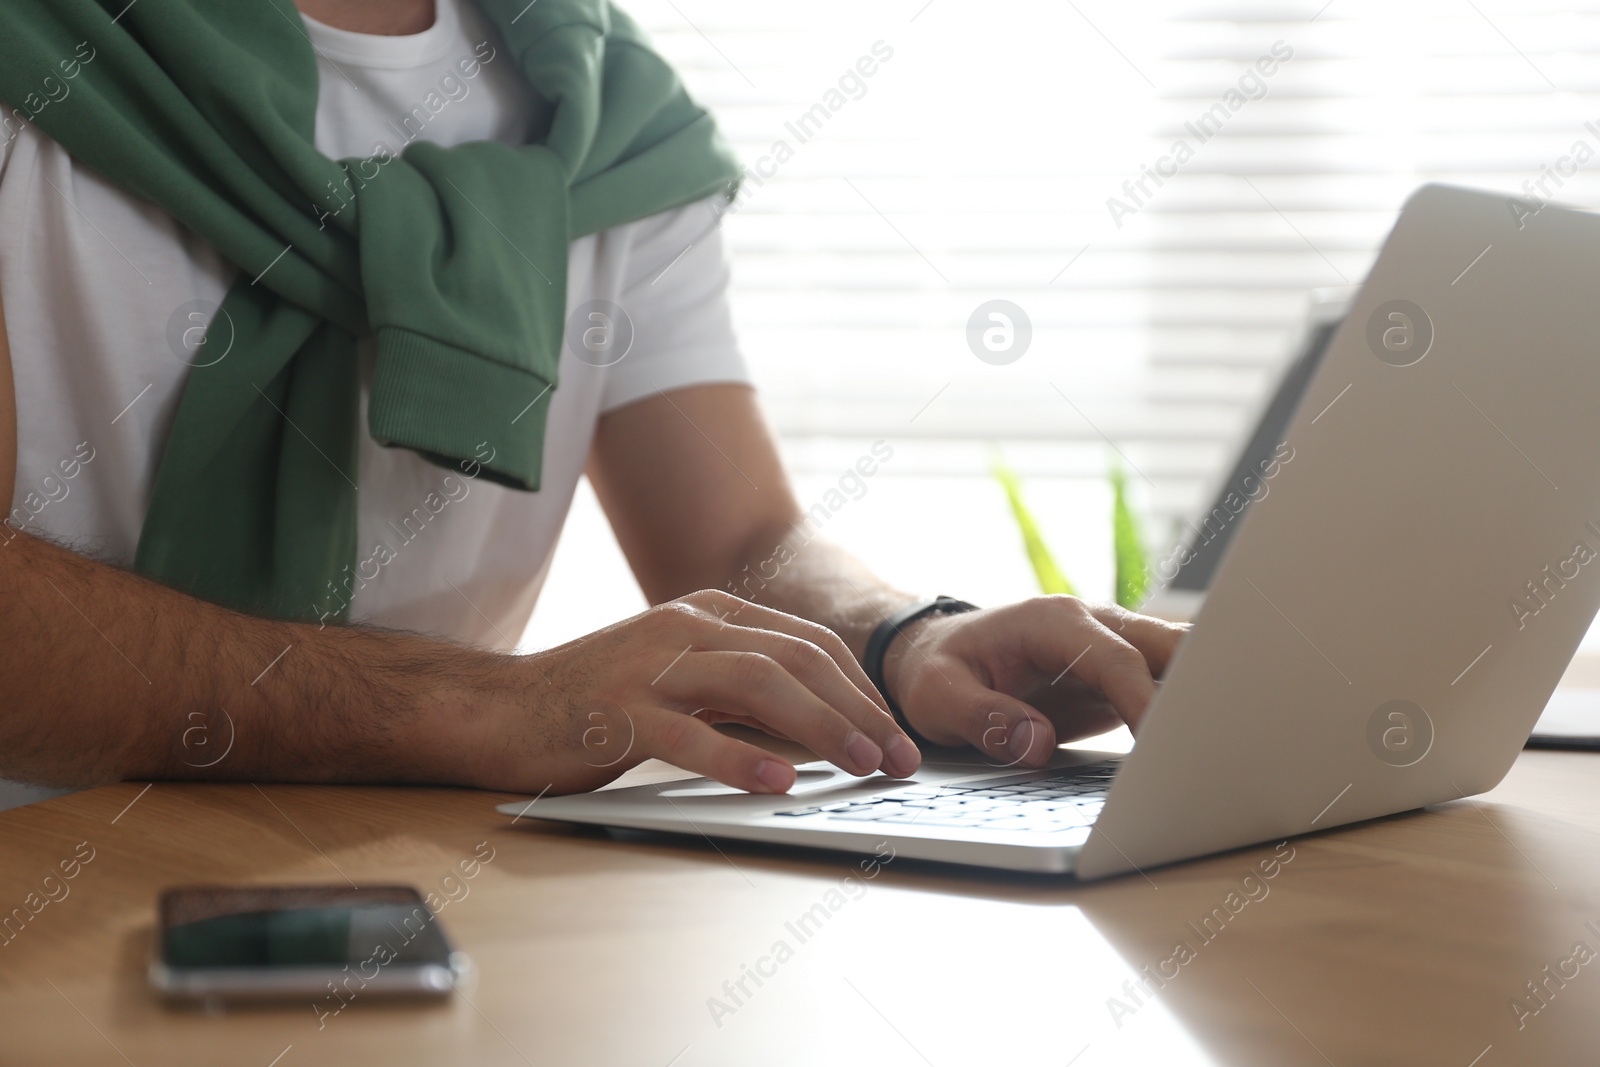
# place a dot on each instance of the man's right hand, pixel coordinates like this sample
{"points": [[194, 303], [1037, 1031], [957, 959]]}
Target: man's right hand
{"points": [[109, 676], [575, 717]]}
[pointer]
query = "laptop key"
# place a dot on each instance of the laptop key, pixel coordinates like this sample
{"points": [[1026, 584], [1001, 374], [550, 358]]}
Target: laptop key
{"points": [[1034, 808], [935, 819], [865, 814], [917, 818]]}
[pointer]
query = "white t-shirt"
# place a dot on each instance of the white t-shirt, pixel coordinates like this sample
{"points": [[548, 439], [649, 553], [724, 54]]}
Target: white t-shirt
{"points": [[100, 286]]}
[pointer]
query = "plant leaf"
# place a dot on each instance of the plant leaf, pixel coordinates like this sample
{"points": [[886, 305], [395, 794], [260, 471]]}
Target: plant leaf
{"points": [[1045, 571], [1133, 562]]}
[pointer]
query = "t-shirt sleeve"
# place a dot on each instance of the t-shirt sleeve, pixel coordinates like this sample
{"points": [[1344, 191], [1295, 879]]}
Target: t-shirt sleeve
{"points": [[676, 294]]}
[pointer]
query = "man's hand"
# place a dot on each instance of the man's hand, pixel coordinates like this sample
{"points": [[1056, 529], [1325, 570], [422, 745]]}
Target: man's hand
{"points": [[650, 686], [688, 518], [1015, 681]]}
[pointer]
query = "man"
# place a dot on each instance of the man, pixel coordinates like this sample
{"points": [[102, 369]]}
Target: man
{"points": [[197, 329]]}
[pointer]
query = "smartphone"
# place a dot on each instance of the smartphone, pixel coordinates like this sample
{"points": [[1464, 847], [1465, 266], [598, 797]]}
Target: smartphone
{"points": [[331, 943]]}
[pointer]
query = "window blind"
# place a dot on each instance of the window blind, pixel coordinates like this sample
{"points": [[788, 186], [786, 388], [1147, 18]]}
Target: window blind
{"points": [[911, 161]]}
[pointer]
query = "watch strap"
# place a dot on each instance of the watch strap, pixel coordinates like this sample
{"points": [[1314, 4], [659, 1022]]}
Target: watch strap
{"points": [[885, 633]]}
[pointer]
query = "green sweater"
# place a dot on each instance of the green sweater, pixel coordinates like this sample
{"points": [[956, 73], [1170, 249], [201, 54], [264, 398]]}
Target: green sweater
{"points": [[453, 259]]}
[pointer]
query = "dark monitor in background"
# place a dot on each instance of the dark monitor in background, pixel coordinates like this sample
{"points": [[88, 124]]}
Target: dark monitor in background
{"points": [[1186, 571]]}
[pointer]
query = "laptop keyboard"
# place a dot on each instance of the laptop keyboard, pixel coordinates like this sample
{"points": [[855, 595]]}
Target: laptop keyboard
{"points": [[1035, 801]]}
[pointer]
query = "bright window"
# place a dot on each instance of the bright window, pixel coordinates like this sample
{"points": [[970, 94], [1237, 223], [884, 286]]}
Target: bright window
{"points": [[978, 161]]}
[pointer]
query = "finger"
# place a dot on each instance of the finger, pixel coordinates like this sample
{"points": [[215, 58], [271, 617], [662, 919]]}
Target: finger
{"points": [[758, 688], [1156, 639], [684, 741], [825, 676], [822, 674], [1007, 730], [1077, 643], [718, 717], [747, 613], [1075, 709]]}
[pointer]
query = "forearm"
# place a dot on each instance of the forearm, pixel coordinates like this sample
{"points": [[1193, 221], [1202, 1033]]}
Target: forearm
{"points": [[816, 579], [698, 497], [108, 676]]}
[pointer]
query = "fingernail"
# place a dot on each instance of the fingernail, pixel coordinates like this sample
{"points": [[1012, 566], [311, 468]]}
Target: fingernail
{"points": [[774, 776], [901, 756], [1021, 739], [864, 755]]}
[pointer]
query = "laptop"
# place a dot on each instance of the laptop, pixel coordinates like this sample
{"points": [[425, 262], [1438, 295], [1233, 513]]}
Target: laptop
{"points": [[1572, 717], [1382, 630]]}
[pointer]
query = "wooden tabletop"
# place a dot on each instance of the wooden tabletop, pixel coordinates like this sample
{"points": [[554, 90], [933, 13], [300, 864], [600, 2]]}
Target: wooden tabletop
{"points": [[1405, 941]]}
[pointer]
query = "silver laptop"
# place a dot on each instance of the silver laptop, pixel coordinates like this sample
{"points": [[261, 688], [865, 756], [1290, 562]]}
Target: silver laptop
{"points": [[1381, 633]]}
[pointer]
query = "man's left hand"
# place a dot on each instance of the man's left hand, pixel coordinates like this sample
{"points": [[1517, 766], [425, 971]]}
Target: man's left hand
{"points": [[1016, 681]]}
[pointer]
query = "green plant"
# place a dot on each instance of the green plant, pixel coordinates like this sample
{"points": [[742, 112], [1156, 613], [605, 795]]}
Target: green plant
{"points": [[1132, 560], [1049, 576], [1133, 563]]}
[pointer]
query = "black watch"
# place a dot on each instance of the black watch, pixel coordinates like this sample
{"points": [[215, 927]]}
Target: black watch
{"points": [[889, 629]]}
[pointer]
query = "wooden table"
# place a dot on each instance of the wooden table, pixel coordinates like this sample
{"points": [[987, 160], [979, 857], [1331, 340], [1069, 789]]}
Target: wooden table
{"points": [[1401, 942]]}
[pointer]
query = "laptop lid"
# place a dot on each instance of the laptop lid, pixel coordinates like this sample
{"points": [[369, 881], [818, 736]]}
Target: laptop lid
{"points": [[1388, 622]]}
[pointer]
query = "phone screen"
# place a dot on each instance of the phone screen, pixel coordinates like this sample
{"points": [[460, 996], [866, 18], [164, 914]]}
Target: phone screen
{"points": [[281, 939], [309, 937]]}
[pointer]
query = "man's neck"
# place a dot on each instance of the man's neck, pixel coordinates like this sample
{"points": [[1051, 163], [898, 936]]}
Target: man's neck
{"points": [[391, 18]]}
